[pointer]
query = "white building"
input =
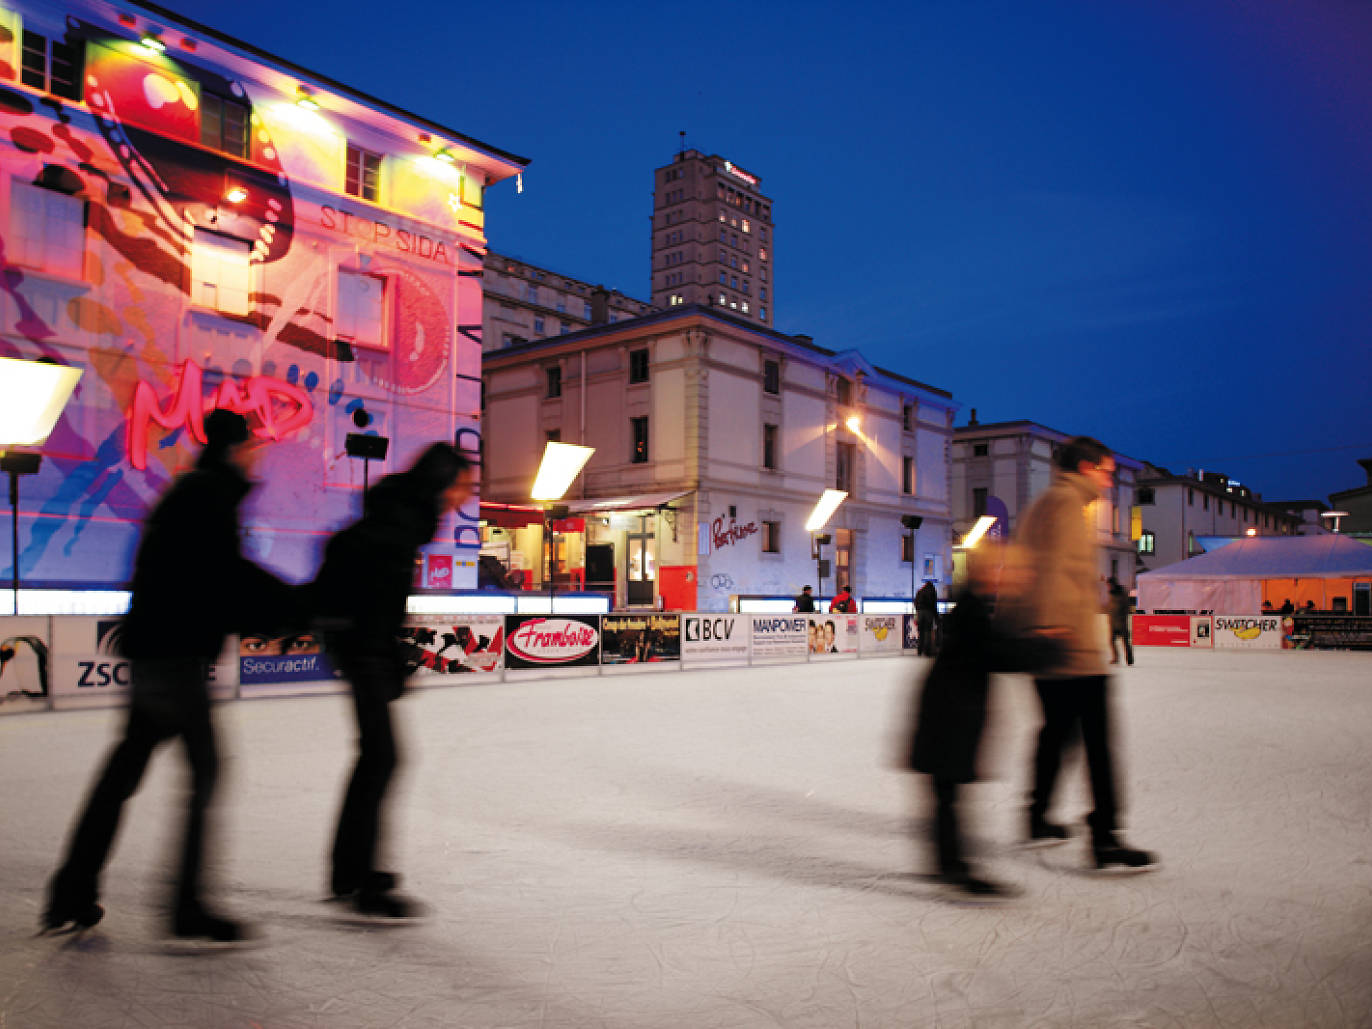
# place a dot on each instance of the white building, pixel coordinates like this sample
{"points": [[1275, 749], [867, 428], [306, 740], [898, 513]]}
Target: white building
{"points": [[714, 439], [1180, 514], [999, 468]]}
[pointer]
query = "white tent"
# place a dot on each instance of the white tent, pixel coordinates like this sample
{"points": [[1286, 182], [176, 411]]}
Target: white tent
{"points": [[1237, 578]]}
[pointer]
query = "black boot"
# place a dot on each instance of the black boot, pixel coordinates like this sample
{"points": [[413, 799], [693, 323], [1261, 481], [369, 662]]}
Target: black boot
{"points": [[70, 905], [1043, 833], [1113, 856]]}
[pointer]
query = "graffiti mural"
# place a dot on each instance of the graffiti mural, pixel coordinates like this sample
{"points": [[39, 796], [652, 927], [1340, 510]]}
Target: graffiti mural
{"points": [[185, 234]]}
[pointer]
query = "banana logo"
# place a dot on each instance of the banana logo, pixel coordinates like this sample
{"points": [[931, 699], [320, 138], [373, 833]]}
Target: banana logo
{"points": [[1248, 632], [880, 632]]}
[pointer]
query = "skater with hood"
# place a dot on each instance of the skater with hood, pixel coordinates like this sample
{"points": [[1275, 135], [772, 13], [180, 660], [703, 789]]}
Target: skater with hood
{"points": [[360, 597], [174, 630], [950, 714]]}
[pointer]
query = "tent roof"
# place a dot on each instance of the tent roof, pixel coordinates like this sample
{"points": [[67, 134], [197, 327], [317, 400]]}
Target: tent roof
{"points": [[1326, 556]]}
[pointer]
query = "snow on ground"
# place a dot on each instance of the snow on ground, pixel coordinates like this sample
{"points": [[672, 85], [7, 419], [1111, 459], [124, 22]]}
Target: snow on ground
{"points": [[730, 848]]}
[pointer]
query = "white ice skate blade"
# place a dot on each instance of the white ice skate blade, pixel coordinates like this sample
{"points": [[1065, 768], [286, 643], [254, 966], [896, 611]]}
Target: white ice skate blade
{"points": [[1045, 844], [1110, 871], [190, 946]]}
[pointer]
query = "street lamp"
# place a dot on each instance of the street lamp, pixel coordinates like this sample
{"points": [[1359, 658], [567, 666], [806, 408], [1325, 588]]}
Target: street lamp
{"points": [[912, 522], [979, 530], [1336, 515], [32, 396], [819, 517], [561, 464], [368, 446]]}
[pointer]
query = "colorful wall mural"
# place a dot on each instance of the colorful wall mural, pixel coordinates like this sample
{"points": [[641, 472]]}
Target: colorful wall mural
{"points": [[179, 224]]}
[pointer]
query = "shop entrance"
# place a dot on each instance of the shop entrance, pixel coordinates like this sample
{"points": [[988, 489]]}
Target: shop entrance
{"points": [[642, 564], [843, 558]]}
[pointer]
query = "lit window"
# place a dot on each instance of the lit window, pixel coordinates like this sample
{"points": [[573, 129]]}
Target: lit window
{"points": [[744, 269], [907, 548], [639, 427], [771, 537], [224, 124], [744, 307], [1147, 543], [221, 275], [762, 253], [50, 65], [363, 176], [362, 309], [47, 230], [762, 313], [723, 300]]}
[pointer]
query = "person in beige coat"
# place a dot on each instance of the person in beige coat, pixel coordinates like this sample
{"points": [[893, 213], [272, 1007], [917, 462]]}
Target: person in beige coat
{"points": [[1064, 600]]}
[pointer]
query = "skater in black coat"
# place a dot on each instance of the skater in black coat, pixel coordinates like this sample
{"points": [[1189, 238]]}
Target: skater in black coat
{"points": [[191, 588], [360, 598], [951, 710]]}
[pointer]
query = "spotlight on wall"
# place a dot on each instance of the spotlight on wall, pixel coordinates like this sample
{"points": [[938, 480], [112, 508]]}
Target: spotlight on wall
{"points": [[446, 156], [304, 98], [236, 195], [152, 43]]}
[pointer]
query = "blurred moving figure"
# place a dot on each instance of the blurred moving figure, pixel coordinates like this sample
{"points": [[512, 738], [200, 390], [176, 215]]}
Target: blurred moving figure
{"points": [[1063, 596], [360, 596], [926, 613], [951, 710], [1117, 606], [177, 621]]}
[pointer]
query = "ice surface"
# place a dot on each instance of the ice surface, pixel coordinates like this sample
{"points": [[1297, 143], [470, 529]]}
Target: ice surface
{"points": [[730, 848]]}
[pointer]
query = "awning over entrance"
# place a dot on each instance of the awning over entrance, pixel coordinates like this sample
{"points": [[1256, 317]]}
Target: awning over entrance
{"points": [[511, 516], [643, 502]]}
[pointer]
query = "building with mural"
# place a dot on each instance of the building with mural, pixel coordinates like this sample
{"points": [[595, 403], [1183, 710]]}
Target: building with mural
{"points": [[194, 222], [714, 437]]}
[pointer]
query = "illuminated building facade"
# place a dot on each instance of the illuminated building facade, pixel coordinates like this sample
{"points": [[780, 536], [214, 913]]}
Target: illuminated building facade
{"points": [[195, 222], [714, 438], [712, 238]]}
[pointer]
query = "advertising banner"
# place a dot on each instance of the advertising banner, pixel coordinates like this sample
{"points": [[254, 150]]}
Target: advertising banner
{"points": [[278, 660], [1248, 632], [24, 664], [450, 650], [542, 641], [1328, 630], [780, 636], [88, 670], [881, 634], [1162, 630], [1202, 631], [833, 634], [714, 637], [636, 639], [909, 628]]}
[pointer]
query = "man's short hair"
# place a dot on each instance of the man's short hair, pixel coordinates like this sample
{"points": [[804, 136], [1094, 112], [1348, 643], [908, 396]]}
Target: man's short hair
{"points": [[1079, 449], [806, 589]]}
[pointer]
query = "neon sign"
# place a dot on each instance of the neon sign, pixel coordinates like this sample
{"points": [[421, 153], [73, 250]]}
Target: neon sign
{"points": [[739, 173], [281, 408]]}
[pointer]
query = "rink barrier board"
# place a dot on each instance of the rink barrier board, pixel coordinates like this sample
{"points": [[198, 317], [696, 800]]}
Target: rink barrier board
{"points": [[61, 662]]}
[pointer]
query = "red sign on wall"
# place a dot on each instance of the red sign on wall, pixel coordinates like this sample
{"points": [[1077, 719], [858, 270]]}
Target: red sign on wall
{"points": [[1162, 630], [440, 571]]}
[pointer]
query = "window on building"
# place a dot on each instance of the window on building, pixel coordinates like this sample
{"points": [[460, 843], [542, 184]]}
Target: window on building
{"points": [[1205, 501], [561, 304], [1231, 508], [978, 501], [531, 292], [844, 390], [733, 282], [907, 416], [1190, 497], [1147, 543], [588, 310], [845, 457], [221, 273], [553, 436], [554, 373], [762, 313], [1192, 547], [771, 377], [362, 309], [1144, 495], [907, 475], [907, 548], [224, 124], [981, 449], [769, 446], [638, 365], [639, 428], [51, 65], [744, 307], [747, 227], [538, 327], [771, 537], [363, 176], [724, 278], [47, 230]]}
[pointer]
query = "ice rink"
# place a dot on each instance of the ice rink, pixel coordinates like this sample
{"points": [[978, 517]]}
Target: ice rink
{"points": [[729, 848]]}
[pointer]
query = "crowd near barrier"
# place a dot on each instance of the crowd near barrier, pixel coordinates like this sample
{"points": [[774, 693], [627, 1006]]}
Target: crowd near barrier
{"points": [[1301, 631], [73, 661]]}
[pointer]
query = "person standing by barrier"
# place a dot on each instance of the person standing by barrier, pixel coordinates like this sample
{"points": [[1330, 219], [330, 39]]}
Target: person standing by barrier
{"points": [[843, 603], [1117, 605], [191, 588], [805, 602], [360, 600], [926, 613], [1063, 597]]}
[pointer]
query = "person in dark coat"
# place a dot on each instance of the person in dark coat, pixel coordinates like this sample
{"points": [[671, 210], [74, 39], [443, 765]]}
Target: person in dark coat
{"points": [[1118, 606], [360, 600], [926, 613], [805, 602], [951, 709], [191, 588]]}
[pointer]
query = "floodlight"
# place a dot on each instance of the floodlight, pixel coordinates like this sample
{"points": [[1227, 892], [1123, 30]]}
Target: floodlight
{"points": [[854, 423], [979, 530], [560, 465], [32, 395], [824, 509]]}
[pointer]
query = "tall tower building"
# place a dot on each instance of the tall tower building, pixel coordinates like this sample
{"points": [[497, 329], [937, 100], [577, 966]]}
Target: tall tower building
{"points": [[712, 238]]}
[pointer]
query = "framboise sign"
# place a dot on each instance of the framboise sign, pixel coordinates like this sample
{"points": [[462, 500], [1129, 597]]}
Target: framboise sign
{"points": [[536, 641], [723, 536]]}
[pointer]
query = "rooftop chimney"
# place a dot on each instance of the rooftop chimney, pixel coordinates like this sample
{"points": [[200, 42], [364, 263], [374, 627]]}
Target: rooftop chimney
{"points": [[973, 420], [600, 306]]}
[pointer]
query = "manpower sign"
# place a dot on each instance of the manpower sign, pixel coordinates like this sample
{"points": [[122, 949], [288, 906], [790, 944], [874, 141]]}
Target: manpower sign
{"points": [[1247, 632]]}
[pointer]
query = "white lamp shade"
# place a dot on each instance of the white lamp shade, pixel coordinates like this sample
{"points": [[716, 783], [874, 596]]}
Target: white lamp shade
{"points": [[561, 464], [824, 509], [979, 530], [32, 395]]}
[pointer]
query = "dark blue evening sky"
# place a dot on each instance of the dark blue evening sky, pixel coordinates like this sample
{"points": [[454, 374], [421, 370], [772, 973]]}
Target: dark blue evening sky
{"points": [[1150, 222]]}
